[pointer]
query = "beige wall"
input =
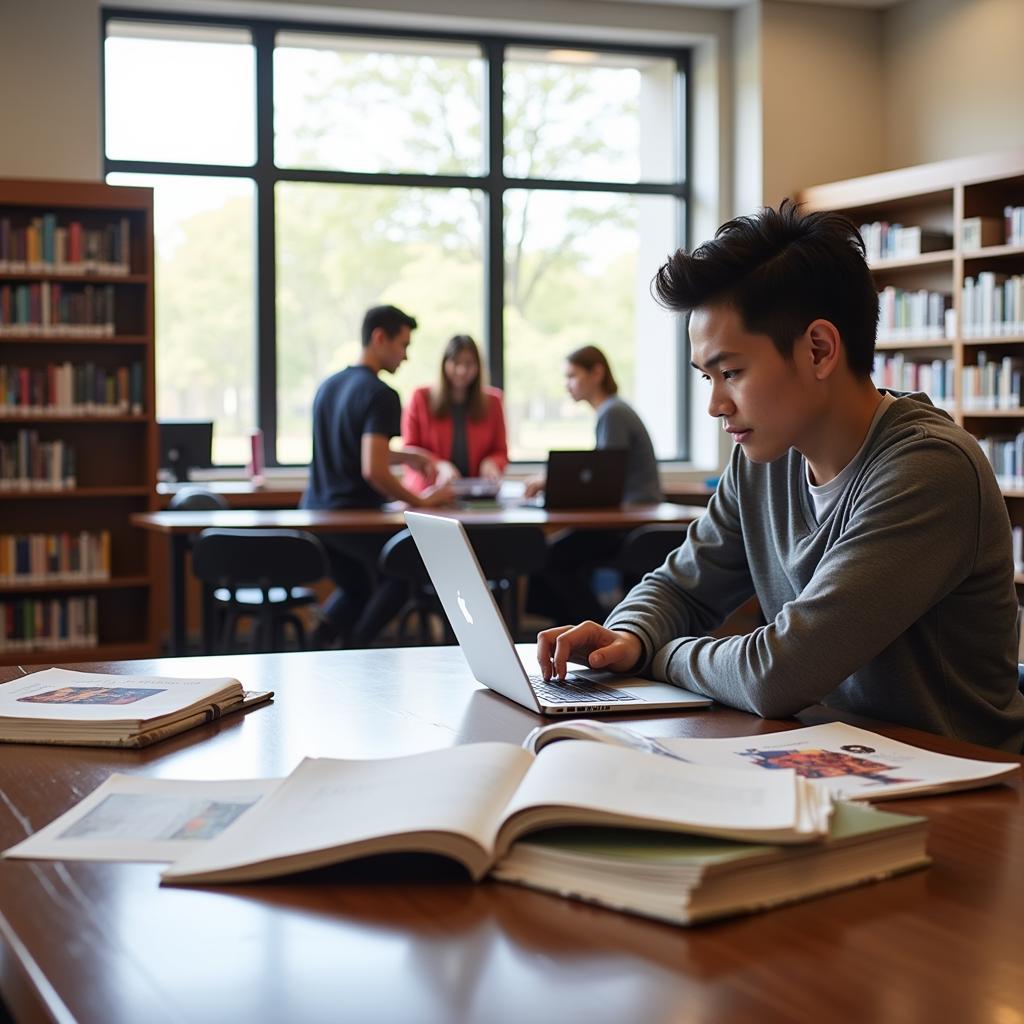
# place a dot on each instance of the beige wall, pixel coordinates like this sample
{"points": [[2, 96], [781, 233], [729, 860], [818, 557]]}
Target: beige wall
{"points": [[50, 81], [822, 95], [954, 79]]}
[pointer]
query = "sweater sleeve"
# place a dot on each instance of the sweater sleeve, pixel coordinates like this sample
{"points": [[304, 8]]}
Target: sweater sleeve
{"points": [[612, 428], [700, 584], [901, 552]]}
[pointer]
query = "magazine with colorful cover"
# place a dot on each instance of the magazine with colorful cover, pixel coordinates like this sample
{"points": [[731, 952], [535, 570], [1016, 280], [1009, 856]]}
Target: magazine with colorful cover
{"points": [[851, 763], [58, 705]]}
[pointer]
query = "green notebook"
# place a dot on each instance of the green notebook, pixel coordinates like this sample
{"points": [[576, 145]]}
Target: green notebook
{"points": [[686, 879]]}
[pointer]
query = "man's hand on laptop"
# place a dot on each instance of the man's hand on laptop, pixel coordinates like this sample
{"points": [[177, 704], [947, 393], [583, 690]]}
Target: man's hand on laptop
{"points": [[586, 644]]}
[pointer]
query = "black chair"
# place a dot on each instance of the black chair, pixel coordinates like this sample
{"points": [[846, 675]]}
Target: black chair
{"points": [[645, 548], [196, 499], [259, 574], [505, 553]]}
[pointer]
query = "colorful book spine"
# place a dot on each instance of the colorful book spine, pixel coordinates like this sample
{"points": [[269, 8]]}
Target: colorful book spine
{"points": [[48, 623], [912, 315], [48, 245], [55, 557], [70, 389]]}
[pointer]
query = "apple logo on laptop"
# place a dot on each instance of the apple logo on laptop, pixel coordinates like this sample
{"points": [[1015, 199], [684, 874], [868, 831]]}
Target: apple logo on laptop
{"points": [[463, 608], [586, 476]]}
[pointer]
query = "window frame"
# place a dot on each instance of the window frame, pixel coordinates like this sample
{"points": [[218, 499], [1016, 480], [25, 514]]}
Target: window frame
{"points": [[493, 182]]}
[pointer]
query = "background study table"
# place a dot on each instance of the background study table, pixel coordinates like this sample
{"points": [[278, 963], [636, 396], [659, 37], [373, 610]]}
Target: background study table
{"points": [[180, 527], [413, 941]]}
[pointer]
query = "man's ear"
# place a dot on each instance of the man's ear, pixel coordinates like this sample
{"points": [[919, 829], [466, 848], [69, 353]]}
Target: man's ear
{"points": [[825, 347]]}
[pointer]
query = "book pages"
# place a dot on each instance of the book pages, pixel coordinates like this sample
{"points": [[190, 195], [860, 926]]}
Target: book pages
{"points": [[366, 807], [132, 818], [63, 695]]}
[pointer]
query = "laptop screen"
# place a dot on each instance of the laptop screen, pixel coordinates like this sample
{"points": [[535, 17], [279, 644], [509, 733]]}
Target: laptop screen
{"points": [[586, 479]]}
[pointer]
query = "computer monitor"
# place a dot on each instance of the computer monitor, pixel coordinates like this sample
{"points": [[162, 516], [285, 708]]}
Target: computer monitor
{"points": [[185, 445]]}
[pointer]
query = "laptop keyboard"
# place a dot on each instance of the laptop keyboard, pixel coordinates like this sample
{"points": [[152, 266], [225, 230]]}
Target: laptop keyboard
{"points": [[577, 692]]}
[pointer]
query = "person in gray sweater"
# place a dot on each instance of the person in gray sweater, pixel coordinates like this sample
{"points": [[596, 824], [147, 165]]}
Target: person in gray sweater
{"points": [[869, 526]]}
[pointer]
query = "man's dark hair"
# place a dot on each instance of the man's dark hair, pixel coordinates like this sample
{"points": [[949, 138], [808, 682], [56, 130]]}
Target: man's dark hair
{"points": [[390, 318], [780, 270]]}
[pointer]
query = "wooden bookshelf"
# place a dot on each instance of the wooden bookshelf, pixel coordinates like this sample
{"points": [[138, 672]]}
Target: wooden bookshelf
{"points": [[115, 452], [943, 196]]}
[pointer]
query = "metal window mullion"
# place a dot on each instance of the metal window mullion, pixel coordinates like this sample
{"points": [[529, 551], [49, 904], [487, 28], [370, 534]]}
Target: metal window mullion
{"points": [[266, 259], [494, 300]]}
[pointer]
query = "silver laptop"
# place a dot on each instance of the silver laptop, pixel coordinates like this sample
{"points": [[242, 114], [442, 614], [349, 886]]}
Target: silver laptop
{"points": [[493, 657]]}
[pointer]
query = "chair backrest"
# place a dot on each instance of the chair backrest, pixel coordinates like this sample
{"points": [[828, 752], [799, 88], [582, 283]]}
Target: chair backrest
{"points": [[259, 558], [505, 552], [646, 547], [196, 499]]}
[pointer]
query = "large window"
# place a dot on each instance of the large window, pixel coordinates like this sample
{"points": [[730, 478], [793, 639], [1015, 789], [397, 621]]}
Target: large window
{"points": [[520, 192]]}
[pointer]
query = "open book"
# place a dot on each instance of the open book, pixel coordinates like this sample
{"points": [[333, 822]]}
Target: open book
{"points": [[471, 803], [850, 763], [59, 705]]}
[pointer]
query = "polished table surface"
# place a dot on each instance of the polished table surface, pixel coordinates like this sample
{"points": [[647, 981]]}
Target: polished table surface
{"points": [[388, 521], [413, 941], [179, 527]]}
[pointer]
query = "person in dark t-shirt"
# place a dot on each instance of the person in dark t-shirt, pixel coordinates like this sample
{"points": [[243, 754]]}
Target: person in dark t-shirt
{"points": [[355, 415]]}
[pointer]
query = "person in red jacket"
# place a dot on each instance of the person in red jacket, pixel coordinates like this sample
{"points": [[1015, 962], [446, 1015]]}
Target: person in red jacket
{"points": [[460, 422]]}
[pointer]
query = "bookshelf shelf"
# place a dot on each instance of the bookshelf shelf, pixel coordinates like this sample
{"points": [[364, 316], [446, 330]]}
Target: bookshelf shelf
{"points": [[57, 339], [111, 457], [70, 417], [974, 414], [898, 346], [32, 276], [925, 259], [69, 585], [76, 492], [65, 655], [989, 252], [1005, 339]]}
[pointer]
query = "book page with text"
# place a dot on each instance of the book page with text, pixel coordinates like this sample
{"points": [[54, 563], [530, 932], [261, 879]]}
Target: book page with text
{"points": [[330, 805], [614, 784]]}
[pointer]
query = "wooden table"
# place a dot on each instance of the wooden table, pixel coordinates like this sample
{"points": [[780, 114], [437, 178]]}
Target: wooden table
{"points": [[104, 944], [181, 527]]}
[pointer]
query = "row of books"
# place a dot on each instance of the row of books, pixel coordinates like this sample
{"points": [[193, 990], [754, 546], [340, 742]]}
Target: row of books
{"points": [[81, 389], [55, 557], [47, 245], [1006, 453], [993, 384], [1013, 219], [993, 305], [48, 623], [935, 377], [914, 315], [50, 308], [29, 463], [885, 241]]}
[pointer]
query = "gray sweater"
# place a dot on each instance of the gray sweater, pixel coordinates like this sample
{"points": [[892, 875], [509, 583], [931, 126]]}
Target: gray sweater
{"points": [[899, 605], [618, 426]]}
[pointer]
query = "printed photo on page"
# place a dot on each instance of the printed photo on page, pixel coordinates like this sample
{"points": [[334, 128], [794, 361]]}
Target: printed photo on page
{"points": [[142, 819]]}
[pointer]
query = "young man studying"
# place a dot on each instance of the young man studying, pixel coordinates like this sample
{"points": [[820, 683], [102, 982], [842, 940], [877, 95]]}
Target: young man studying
{"points": [[869, 526]]}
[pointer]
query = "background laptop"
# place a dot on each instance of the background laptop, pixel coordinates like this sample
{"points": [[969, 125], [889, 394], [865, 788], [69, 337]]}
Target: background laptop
{"points": [[586, 479], [491, 653]]}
